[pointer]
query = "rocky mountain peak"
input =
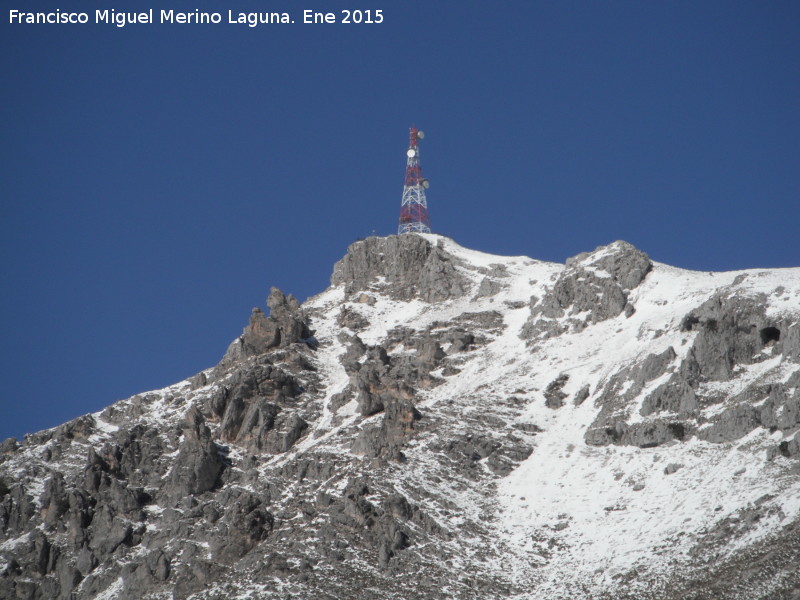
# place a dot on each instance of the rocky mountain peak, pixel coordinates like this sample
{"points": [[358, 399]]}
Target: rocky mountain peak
{"points": [[620, 260], [402, 266], [442, 423]]}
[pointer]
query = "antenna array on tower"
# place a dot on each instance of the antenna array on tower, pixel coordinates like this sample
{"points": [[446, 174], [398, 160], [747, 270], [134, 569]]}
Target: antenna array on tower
{"points": [[414, 207]]}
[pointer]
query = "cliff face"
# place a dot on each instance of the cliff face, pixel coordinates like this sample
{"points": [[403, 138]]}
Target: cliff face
{"points": [[443, 423]]}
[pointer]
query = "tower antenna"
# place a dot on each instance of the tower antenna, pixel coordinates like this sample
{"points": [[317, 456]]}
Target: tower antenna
{"points": [[414, 207]]}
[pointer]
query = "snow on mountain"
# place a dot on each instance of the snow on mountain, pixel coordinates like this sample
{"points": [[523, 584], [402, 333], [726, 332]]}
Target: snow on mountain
{"points": [[443, 423]]}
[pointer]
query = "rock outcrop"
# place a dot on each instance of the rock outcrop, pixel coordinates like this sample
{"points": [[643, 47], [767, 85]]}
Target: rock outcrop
{"points": [[285, 325], [730, 332], [401, 266], [593, 287]]}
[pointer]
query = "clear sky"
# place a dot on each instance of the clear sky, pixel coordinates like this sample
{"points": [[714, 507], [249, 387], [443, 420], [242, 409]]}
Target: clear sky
{"points": [[158, 179]]}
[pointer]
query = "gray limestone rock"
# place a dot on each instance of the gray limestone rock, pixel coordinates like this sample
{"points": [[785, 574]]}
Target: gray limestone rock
{"points": [[286, 324], [351, 319], [554, 395], [732, 330], [674, 396], [385, 441], [791, 343], [789, 448], [245, 523], [592, 288], [8, 447], [626, 385], [644, 435], [490, 287], [16, 509], [626, 264], [581, 395], [199, 464], [403, 266], [254, 402], [54, 502]]}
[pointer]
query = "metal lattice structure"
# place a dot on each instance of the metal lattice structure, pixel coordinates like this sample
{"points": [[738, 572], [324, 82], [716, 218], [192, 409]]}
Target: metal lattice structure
{"points": [[414, 207]]}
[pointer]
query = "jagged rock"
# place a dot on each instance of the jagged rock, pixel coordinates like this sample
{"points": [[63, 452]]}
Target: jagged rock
{"points": [[626, 385], [410, 265], [286, 432], [256, 424], [352, 319], [252, 404], [80, 428], [198, 381], [198, 464], [501, 455], [81, 512], [340, 399], [54, 502], [245, 523], [554, 394], [625, 263], [732, 424], [135, 456], [375, 384], [398, 506], [385, 441], [581, 395], [790, 448], [644, 435], [86, 560], [791, 343], [108, 532], [16, 509], [355, 350], [728, 329], [490, 287], [285, 325], [459, 340], [593, 287], [675, 396], [7, 447], [262, 427], [158, 564]]}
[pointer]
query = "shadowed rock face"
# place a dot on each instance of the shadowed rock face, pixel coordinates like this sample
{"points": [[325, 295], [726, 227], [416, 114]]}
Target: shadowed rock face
{"points": [[403, 267], [198, 464], [371, 463]]}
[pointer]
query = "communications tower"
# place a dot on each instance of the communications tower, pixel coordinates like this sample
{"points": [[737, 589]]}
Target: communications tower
{"points": [[414, 207]]}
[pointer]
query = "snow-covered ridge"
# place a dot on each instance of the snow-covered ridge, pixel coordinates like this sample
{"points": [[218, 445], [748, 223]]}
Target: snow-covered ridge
{"points": [[519, 428]]}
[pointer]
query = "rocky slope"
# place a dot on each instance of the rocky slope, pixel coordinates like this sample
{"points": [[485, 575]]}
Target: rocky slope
{"points": [[443, 423]]}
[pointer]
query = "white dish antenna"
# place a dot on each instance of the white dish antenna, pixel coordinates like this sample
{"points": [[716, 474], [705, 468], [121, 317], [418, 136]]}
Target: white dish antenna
{"points": [[425, 183], [411, 153], [420, 135]]}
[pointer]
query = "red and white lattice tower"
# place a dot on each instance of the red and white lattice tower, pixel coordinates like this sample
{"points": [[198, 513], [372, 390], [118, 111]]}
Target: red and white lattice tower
{"points": [[414, 207]]}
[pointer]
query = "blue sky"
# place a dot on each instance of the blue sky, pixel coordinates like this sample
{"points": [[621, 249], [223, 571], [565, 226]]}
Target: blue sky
{"points": [[157, 180]]}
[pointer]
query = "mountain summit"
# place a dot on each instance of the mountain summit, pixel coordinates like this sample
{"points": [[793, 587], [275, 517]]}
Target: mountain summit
{"points": [[443, 423]]}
